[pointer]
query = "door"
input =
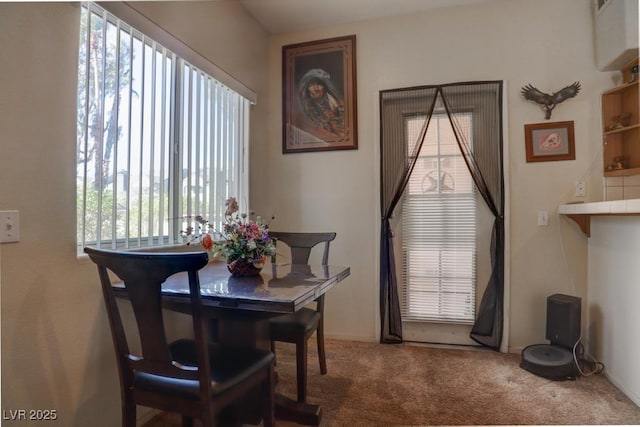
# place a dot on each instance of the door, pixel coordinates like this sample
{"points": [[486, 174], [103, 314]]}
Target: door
{"points": [[441, 223]]}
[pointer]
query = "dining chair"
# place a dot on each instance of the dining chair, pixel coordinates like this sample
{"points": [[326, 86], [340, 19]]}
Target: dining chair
{"points": [[297, 327], [193, 377]]}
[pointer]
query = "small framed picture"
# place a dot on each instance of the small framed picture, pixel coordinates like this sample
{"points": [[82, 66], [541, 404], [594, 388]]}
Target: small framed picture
{"points": [[545, 142], [319, 95]]}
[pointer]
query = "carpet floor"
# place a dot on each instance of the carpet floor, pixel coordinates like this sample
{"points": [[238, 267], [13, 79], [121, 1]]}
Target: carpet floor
{"points": [[370, 384]]}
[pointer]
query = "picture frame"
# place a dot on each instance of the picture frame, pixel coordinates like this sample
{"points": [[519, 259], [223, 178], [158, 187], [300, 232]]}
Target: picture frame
{"points": [[319, 109], [545, 142]]}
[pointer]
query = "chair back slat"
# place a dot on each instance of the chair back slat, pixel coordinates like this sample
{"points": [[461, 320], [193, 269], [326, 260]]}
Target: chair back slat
{"points": [[143, 275], [302, 243]]}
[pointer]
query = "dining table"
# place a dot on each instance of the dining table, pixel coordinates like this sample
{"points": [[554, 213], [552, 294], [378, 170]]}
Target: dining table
{"points": [[239, 309]]}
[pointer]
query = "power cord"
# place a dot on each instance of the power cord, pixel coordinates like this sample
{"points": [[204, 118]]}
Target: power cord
{"points": [[598, 366]]}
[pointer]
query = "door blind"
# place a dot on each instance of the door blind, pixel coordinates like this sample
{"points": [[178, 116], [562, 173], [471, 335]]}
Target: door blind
{"points": [[438, 227]]}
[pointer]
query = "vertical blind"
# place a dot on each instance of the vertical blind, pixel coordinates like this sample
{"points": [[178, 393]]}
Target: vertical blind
{"points": [[159, 141]]}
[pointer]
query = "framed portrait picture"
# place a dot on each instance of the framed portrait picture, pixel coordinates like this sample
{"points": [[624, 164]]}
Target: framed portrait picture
{"points": [[546, 142], [319, 95]]}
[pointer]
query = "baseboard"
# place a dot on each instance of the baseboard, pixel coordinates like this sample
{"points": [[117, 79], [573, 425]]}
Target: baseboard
{"points": [[359, 338], [635, 398], [515, 350]]}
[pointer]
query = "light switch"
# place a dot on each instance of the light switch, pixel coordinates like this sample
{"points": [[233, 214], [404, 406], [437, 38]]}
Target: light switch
{"points": [[543, 218], [9, 226]]}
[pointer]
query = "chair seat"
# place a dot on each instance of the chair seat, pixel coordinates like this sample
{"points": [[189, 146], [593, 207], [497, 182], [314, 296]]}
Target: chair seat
{"points": [[303, 321], [229, 366]]}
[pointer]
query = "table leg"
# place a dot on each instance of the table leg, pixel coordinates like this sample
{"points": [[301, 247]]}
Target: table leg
{"points": [[244, 330], [253, 330], [301, 413]]}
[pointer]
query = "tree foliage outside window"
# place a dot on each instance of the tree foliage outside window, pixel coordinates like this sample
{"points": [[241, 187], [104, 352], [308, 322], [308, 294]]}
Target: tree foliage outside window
{"points": [[158, 141]]}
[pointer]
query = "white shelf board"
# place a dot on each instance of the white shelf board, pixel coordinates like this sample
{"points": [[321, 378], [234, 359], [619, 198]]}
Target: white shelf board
{"points": [[614, 207], [581, 213]]}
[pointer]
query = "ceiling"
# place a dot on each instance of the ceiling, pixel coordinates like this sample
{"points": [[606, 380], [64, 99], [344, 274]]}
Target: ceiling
{"points": [[283, 16]]}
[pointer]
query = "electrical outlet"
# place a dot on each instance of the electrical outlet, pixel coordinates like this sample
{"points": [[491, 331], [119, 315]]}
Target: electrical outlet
{"points": [[543, 218], [581, 189], [9, 226]]}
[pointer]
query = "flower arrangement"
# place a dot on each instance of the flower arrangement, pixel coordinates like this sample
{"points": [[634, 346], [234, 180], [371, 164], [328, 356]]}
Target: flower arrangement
{"points": [[243, 240]]}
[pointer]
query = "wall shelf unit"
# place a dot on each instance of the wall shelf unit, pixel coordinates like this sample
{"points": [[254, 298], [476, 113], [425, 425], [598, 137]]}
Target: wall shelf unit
{"points": [[621, 126]]}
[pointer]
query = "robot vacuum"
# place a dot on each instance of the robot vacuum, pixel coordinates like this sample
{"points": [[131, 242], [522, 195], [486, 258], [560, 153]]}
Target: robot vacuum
{"points": [[549, 361]]}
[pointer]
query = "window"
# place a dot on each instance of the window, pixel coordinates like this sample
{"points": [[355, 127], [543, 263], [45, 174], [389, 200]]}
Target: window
{"points": [[439, 226], [159, 141]]}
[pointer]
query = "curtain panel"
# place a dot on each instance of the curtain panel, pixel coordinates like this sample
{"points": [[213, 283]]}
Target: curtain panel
{"points": [[485, 163]]}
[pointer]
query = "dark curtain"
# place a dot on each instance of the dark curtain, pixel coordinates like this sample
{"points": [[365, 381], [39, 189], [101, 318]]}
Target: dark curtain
{"points": [[484, 158], [395, 171]]}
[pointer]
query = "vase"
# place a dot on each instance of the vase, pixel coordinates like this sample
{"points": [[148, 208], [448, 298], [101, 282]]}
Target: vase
{"points": [[241, 267]]}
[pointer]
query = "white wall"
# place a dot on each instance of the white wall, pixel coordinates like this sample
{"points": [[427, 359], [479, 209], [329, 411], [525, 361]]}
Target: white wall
{"points": [[612, 300], [546, 43], [56, 346]]}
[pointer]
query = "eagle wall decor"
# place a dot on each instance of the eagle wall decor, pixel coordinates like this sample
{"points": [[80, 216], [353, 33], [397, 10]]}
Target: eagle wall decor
{"points": [[548, 102]]}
